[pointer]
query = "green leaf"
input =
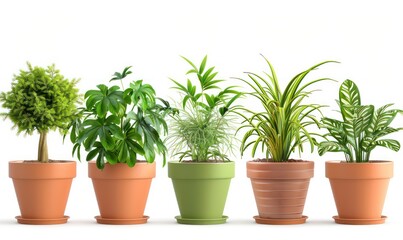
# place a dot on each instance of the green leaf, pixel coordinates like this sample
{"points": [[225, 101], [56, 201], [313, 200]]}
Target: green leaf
{"points": [[382, 118], [223, 110], [105, 138], [232, 100], [132, 134], [123, 155], [349, 98], [120, 76], [76, 148], [389, 143], [89, 138], [91, 155], [210, 100], [187, 60], [100, 160], [111, 157], [203, 65], [135, 147], [112, 119], [330, 147], [116, 131]]}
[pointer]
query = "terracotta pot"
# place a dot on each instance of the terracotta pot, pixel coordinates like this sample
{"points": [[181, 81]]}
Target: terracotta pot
{"points": [[42, 190], [359, 190], [280, 190], [201, 190], [122, 191]]}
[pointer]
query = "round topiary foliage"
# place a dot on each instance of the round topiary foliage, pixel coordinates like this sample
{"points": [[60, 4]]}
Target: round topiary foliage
{"points": [[41, 100]]}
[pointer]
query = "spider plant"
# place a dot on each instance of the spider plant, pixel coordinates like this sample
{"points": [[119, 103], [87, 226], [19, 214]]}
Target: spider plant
{"points": [[202, 129], [362, 129], [283, 125]]}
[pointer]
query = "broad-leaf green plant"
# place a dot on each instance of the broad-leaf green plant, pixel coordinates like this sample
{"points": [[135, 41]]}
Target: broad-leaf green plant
{"points": [[361, 129], [120, 124], [204, 128], [283, 125], [41, 100]]}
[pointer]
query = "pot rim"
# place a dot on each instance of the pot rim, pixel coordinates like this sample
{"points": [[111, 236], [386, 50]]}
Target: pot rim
{"points": [[201, 163], [359, 163], [38, 162]]}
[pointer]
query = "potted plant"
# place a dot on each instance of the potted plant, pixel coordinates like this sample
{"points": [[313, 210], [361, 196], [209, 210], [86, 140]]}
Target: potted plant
{"points": [[201, 136], [359, 184], [279, 183], [41, 100], [119, 125]]}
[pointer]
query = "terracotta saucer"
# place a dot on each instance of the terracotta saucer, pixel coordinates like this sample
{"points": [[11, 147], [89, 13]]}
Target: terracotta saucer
{"points": [[121, 221], [42, 221], [181, 220], [280, 221], [359, 221]]}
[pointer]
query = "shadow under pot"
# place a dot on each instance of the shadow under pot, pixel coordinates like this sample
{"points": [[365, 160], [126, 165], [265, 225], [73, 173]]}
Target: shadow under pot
{"points": [[280, 190]]}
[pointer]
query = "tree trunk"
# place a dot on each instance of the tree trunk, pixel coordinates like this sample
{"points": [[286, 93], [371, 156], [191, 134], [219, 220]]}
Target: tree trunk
{"points": [[43, 148]]}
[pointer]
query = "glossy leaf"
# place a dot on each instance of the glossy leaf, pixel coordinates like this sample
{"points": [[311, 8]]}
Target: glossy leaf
{"points": [[120, 125]]}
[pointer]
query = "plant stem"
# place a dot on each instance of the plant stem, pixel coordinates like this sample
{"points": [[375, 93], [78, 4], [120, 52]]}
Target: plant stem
{"points": [[43, 148]]}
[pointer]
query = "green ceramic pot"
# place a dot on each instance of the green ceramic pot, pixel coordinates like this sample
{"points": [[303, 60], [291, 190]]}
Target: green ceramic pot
{"points": [[201, 190]]}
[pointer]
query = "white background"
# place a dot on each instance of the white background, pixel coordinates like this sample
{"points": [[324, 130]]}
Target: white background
{"points": [[91, 40]]}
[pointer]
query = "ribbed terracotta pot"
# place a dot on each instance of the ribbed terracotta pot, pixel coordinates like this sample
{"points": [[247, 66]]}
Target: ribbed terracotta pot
{"points": [[42, 190], [280, 190], [359, 190], [122, 191], [201, 190]]}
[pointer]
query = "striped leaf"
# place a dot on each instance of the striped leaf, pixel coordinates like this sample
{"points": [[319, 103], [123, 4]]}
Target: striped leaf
{"points": [[335, 129], [349, 97], [384, 131], [382, 118], [362, 126], [330, 146], [363, 119], [389, 143]]}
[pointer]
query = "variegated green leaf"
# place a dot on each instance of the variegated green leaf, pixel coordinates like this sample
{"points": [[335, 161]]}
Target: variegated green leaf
{"points": [[382, 118], [389, 143], [384, 131], [363, 118], [349, 97], [335, 129], [330, 146]]}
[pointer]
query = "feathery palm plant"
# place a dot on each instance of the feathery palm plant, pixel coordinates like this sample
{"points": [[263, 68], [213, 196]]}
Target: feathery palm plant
{"points": [[202, 130]]}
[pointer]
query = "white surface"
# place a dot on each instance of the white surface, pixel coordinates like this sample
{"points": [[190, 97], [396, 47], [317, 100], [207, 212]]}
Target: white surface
{"points": [[93, 39]]}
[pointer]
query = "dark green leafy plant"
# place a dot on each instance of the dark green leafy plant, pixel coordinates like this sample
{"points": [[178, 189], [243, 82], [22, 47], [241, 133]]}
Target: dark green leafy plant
{"points": [[203, 129], [282, 126], [362, 128], [41, 100], [118, 125]]}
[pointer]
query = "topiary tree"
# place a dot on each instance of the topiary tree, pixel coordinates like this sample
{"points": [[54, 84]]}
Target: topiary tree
{"points": [[41, 100]]}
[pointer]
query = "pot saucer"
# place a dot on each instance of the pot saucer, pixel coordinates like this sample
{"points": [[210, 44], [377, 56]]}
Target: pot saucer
{"points": [[280, 221], [42, 221], [121, 221], [359, 221], [181, 220]]}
